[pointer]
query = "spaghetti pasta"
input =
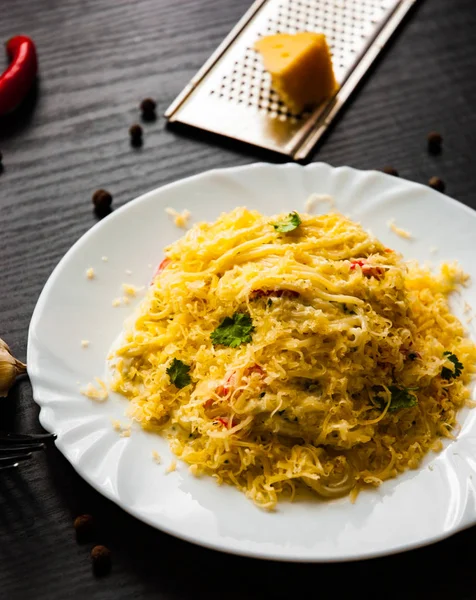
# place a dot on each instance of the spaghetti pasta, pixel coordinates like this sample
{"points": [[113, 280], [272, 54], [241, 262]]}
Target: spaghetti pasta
{"points": [[306, 356]]}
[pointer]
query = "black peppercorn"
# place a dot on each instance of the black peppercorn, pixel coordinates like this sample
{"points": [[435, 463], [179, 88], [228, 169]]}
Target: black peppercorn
{"points": [[435, 140], [84, 527], [102, 201], [148, 107], [390, 171], [135, 131], [101, 559], [437, 184]]}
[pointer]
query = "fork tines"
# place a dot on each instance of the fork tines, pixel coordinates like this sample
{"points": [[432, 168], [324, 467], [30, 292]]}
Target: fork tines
{"points": [[7, 437], [18, 447]]}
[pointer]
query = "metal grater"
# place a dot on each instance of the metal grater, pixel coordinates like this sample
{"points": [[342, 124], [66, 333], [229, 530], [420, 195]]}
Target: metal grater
{"points": [[231, 95]]}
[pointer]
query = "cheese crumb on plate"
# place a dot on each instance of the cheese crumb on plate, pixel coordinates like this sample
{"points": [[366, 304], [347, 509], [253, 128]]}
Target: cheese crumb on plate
{"points": [[316, 199], [90, 274], [131, 290], [403, 233], [172, 467], [180, 219], [97, 392]]}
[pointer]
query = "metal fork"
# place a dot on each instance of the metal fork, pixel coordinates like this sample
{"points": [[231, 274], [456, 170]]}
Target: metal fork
{"points": [[18, 447]]}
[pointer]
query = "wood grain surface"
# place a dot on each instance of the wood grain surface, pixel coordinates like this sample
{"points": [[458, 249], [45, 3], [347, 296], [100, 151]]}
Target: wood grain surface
{"points": [[98, 59]]}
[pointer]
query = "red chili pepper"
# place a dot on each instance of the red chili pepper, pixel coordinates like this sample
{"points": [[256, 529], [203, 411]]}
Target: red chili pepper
{"points": [[388, 250], [368, 270], [255, 369], [225, 388], [19, 76], [225, 422], [361, 263], [161, 267], [208, 403]]}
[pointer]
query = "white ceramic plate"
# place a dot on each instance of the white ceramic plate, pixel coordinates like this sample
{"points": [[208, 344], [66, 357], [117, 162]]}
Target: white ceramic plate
{"points": [[415, 509]]}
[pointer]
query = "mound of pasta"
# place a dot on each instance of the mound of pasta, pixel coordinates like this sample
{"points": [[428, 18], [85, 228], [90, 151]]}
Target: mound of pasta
{"points": [[295, 352]]}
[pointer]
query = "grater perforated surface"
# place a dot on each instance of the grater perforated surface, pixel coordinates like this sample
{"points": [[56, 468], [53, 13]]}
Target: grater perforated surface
{"points": [[232, 95]]}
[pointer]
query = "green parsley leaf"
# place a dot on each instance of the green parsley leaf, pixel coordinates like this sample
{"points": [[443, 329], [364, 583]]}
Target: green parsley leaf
{"points": [[400, 398], [178, 373], [448, 373], [233, 331], [290, 223]]}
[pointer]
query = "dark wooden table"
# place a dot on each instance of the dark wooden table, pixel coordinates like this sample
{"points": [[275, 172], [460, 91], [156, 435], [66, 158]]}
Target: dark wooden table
{"points": [[99, 58]]}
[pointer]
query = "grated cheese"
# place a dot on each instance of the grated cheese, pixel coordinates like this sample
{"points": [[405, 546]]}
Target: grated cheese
{"points": [[90, 274], [97, 392], [104, 258], [172, 467], [128, 272], [123, 429], [84, 343], [193, 470], [156, 457], [314, 199], [116, 302], [131, 290], [403, 233], [180, 219]]}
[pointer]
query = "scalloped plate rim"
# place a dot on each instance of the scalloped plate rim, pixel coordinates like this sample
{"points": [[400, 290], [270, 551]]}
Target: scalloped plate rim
{"points": [[47, 418]]}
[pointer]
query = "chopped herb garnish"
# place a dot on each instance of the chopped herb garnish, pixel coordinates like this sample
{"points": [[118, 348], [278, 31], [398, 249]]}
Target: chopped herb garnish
{"points": [[311, 386], [400, 398], [347, 310], [178, 373], [290, 223], [233, 331], [452, 373]]}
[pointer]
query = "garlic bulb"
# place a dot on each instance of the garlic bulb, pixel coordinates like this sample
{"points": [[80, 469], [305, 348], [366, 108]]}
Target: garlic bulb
{"points": [[10, 368]]}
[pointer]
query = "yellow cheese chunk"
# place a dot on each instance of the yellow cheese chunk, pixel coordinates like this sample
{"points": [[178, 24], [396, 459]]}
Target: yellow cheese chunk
{"points": [[301, 69]]}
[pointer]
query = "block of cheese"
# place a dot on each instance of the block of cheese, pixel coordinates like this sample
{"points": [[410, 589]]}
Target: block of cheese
{"points": [[301, 69]]}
